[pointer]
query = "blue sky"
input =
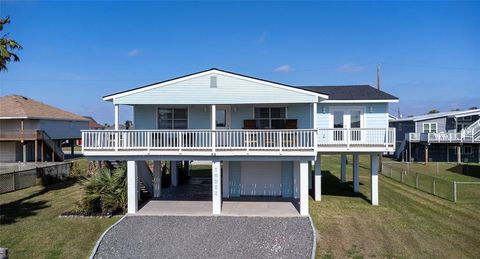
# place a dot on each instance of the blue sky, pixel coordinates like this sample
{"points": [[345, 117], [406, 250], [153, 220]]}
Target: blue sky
{"points": [[76, 52]]}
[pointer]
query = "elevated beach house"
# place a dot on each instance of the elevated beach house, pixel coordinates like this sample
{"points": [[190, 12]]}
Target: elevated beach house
{"points": [[32, 131], [260, 136], [452, 136]]}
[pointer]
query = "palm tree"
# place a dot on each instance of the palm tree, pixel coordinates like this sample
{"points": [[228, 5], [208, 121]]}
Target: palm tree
{"points": [[7, 46]]}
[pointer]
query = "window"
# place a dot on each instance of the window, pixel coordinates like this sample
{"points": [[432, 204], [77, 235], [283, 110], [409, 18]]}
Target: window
{"points": [[338, 119], [355, 119], [172, 118], [270, 118], [466, 118], [221, 116], [467, 150], [430, 127]]}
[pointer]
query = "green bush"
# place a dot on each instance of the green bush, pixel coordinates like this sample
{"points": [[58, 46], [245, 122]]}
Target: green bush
{"points": [[79, 168], [106, 192]]}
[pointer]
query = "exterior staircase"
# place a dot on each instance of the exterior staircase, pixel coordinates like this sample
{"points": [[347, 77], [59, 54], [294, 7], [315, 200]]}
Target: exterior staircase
{"points": [[51, 145], [472, 132]]}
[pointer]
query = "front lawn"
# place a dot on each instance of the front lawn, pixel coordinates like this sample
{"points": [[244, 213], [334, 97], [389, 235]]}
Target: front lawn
{"points": [[407, 224], [30, 226]]}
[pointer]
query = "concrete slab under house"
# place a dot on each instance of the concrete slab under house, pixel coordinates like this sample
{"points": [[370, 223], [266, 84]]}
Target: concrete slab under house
{"points": [[263, 140]]}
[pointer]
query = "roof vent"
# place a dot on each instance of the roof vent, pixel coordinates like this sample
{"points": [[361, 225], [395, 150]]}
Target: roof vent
{"points": [[213, 82]]}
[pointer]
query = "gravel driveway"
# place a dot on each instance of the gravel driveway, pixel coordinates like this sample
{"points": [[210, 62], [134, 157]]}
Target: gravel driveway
{"points": [[208, 237]]}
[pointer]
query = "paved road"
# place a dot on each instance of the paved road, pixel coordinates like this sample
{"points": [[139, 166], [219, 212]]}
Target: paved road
{"points": [[208, 237]]}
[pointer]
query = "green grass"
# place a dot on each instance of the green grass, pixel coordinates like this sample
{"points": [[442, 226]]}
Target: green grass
{"points": [[407, 224], [30, 226]]}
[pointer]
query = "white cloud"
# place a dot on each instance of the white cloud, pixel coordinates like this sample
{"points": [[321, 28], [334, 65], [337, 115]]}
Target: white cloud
{"points": [[133, 53], [262, 38], [283, 69], [350, 68]]}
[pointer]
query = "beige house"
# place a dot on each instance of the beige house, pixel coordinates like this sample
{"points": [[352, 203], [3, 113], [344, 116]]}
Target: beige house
{"points": [[32, 131]]}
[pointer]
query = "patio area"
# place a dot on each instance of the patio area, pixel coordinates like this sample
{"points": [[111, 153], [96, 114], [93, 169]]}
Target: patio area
{"points": [[195, 199]]}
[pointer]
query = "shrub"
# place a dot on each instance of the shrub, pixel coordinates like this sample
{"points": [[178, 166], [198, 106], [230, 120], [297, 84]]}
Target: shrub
{"points": [[106, 192], [79, 168]]}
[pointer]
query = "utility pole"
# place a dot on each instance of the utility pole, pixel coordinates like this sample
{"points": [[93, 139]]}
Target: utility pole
{"points": [[378, 87], [378, 76]]}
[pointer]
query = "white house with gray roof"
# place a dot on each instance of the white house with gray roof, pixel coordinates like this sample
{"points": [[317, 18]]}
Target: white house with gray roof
{"points": [[440, 137], [260, 137]]}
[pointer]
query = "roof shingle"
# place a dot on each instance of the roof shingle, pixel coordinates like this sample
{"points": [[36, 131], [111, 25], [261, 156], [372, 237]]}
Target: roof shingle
{"points": [[21, 107], [351, 92]]}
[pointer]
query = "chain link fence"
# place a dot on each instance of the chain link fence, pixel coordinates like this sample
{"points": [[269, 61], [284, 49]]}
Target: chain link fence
{"points": [[33, 175], [468, 192]]}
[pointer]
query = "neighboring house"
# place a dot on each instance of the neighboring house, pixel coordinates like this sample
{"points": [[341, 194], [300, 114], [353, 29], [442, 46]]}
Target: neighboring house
{"points": [[32, 131], [93, 124], [260, 136], [439, 137]]}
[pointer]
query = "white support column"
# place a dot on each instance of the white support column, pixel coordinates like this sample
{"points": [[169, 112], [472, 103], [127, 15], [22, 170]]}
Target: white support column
{"points": [[296, 179], [213, 118], [216, 188], [157, 179], [132, 187], [318, 178], [117, 112], [310, 174], [374, 178], [174, 173], [356, 172], [225, 179], [343, 168], [314, 115], [303, 188]]}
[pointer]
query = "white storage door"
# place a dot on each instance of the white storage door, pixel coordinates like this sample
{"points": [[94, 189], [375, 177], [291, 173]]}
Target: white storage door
{"points": [[261, 178]]}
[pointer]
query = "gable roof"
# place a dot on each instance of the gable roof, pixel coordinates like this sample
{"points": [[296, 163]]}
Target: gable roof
{"points": [[92, 123], [21, 107], [455, 114], [110, 97], [352, 93]]}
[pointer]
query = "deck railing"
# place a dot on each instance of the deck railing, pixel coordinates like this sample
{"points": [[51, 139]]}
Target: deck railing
{"points": [[235, 139], [444, 137], [356, 137], [300, 139]]}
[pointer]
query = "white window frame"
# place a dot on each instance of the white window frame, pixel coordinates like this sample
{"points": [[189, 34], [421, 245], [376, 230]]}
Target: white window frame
{"points": [[269, 113], [346, 115], [187, 108], [429, 127]]}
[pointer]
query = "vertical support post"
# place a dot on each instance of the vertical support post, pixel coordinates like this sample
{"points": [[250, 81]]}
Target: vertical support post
{"points": [[459, 154], [216, 188], [132, 187], [303, 188], [448, 154], [296, 179], [117, 112], [374, 178], [454, 191], [310, 175], [213, 117], [356, 173], [36, 149], [343, 168], [318, 178], [174, 173], [225, 179], [42, 151], [426, 154], [157, 179], [24, 152], [72, 147]]}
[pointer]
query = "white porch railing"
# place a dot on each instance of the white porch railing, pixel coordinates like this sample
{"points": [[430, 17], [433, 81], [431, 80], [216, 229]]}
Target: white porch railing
{"points": [[282, 140], [224, 140], [357, 137], [448, 137]]}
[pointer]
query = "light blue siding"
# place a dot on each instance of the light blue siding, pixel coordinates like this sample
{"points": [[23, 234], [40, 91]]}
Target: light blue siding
{"points": [[239, 114], [234, 178], [145, 117], [287, 179], [199, 117], [375, 116], [302, 112], [229, 90]]}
